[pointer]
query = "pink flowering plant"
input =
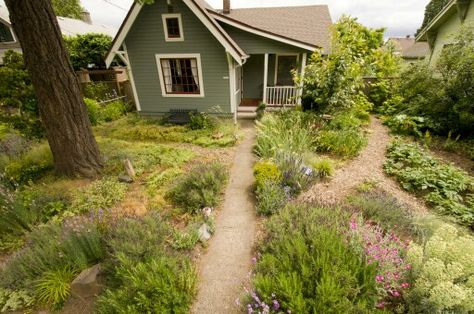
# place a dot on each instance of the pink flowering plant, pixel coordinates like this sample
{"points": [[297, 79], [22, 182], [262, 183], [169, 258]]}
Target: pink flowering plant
{"points": [[388, 251]]}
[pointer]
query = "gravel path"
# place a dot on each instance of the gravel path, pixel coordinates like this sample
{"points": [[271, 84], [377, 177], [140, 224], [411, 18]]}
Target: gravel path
{"points": [[224, 269], [368, 166]]}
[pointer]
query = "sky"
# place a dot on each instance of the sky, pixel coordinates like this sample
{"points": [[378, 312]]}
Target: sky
{"points": [[400, 17]]}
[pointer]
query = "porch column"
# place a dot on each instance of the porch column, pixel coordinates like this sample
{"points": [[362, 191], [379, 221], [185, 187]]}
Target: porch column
{"points": [[265, 78], [303, 66]]}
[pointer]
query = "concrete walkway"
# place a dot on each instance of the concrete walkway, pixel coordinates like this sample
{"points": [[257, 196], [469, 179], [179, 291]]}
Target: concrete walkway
{"points": [[225, 268]]}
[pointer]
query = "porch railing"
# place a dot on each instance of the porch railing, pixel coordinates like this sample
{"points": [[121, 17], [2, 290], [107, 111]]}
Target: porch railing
{"points": [[282, 96]]}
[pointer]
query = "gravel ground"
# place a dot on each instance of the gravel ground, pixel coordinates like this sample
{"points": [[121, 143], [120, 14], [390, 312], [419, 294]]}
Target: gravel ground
{"points": [[368, 166]]}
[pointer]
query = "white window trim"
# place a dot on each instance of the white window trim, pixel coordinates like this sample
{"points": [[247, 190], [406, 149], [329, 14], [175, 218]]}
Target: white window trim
{"points": [[196, 56], [297, 55], [165, 27]]}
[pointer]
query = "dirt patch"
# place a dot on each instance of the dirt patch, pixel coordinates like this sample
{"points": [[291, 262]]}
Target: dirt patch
{"points": [[224, 269], [368, 166]]}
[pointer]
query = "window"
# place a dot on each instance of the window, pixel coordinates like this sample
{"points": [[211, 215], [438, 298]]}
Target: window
{"points": [[6, 35], [173, 27], [180, 75], [283, 70]]}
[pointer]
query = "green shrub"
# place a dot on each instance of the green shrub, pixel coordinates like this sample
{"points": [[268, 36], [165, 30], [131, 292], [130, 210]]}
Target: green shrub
{"points": [[442, 185], [324, 167], [112, 111], [159, 285], [101, 194], [307, 265], [54, 286], [97, 91], [266, 171], [296, 176], [290, 131], [347, 143], [271, 197], [137, 239], [86, 49], [200, 121], [161, 177], [185, 240], [200, 188], [11, 301], [443, 270], [50, 249], [385, 210], [409, 125], [30, 166], [93, 109]]}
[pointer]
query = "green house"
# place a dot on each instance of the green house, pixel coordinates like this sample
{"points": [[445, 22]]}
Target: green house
{"points": [[185, 55], [440, 29]]}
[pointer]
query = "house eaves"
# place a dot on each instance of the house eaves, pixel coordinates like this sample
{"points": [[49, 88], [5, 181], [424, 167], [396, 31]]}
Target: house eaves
{"points": [[230, 46], [438, 20]]}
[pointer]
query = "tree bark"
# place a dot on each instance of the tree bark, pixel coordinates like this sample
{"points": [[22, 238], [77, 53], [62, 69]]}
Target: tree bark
{"points": [[61, 106]]}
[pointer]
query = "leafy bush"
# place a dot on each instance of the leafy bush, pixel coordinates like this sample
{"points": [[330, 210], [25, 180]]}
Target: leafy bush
{"points": [[11, 301], [290, 131], [185, 240], [442, 185], [307, 266], [161, 177], [324, 167], [271, 197], [104, 113], [266, 171], [199, 121], [443, 270], [54, 286], [342, 143], [159, 285], [30, 166], [387, 251], [52, 248], [88, 49], [200, 188], [409, 125], [296, 176], [97, 91], [385, 210], [101, 194]]}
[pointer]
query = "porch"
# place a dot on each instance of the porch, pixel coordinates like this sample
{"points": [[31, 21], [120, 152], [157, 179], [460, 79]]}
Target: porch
{"points": [[268, 78]]}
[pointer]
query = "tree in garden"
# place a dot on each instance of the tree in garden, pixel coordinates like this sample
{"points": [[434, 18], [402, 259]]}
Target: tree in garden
{"points": [[67, 8], [61, 106], [331, 82], [88, 49]]}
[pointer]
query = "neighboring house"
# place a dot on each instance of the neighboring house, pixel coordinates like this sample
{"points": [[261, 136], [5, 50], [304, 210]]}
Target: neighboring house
{"points": [[409, 50], [69, 27], [440, 30], [185, 55]]}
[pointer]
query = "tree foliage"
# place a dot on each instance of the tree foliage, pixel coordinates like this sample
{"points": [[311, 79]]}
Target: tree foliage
{"points": [[356, 51], [88, 49], [67, 8], [432, 9]]}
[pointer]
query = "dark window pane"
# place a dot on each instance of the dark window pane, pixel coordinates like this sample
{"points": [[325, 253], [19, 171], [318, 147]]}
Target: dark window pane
{"points": [[285, 65], [173, 27], [5, 33], [180, 76]]}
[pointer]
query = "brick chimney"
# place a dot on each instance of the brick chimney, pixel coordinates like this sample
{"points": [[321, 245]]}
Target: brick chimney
{"points": [[226, 7], [86, 17]]}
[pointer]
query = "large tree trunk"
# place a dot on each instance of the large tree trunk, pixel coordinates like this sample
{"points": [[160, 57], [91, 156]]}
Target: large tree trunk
{"points": [[61, 106]]}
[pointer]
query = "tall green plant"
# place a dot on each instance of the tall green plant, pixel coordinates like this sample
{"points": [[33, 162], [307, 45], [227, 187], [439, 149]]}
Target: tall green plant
{"points": [[331, 82]]}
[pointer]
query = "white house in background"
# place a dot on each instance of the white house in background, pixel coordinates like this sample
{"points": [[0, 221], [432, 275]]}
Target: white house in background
{"points": [[69, 27]]}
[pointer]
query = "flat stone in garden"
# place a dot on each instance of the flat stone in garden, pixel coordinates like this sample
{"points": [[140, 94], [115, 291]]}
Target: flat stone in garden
{"points": [[125, 179], [86, 284], [204, 233]]}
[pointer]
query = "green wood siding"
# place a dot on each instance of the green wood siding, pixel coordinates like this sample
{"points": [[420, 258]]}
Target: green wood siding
{"points": [[146, 39], [447, 30], [255, 44]]}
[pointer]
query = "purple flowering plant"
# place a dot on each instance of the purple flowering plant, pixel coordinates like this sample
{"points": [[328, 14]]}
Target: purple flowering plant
{"points": [[388, 251]]}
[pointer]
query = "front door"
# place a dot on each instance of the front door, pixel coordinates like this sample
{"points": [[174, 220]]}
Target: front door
{"points": [[285, 66]]}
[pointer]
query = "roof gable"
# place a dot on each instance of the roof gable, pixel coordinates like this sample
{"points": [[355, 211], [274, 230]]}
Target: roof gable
{"points": [[198, 7], [307, 27]]}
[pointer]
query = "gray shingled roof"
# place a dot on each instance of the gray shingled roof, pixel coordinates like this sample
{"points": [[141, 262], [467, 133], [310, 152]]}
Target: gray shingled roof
{"points": [[409, 48], [71, 27], [307, 24]]}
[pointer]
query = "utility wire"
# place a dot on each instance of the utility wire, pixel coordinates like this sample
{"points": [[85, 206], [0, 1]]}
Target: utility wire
{"points": [[115, 5]]}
